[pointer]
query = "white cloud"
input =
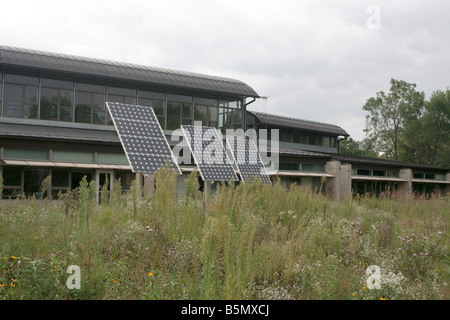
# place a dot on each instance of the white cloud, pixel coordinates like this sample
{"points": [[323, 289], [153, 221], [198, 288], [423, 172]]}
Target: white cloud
{"points": [[314, 59]]}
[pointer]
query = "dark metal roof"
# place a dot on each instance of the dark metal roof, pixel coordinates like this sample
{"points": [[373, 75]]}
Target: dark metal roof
{"points": [[15, 130], [295, 123], [121, 70], [384, 162]]}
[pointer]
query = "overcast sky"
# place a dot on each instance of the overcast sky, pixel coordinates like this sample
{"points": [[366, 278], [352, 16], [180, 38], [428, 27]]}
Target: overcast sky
{"points": [[315, 60]]}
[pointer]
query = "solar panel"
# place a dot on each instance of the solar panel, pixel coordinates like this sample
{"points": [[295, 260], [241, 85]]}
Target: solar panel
{"points": [[142, 137], [209, 154], [248, 160]]}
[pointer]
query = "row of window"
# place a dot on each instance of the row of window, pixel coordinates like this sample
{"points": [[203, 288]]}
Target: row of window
{"points": [[395, 173], [305, 167], [19, 181], [46, 98], [307, 138], [375, 172]]}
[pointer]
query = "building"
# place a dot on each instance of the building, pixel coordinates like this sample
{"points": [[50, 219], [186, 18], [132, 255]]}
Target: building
{"points": [[54, 122], [309, 154], [53, 118]]}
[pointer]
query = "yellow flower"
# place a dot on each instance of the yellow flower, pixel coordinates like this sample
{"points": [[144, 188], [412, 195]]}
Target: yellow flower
{"points": [[13, 279], [114, 280], [353, 294], [364, 288], [2, 285], [13, 284], [13, 257], [150, 274], [382, 298]]}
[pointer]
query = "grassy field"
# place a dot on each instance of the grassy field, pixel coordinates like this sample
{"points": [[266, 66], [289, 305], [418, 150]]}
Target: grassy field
{"points": [[253, 242]]}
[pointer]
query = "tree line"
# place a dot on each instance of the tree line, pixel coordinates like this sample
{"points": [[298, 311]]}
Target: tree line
{"points": [[402, 125]]}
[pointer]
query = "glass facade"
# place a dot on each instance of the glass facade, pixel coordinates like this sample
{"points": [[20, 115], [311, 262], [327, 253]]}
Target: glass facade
{"points": [[21, 96], [48, 97]]}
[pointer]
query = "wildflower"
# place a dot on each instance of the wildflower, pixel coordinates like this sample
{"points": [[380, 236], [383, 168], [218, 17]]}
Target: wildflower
{"points": [[13, 257], [440, 232], [382, 298], [149, 229], [13, 284], [2, 285], [399, 249], [114, 280], [364, 288], [13, 280], [414, 255], [426, 253], [353, 294], [150, 274], [146, 248]]}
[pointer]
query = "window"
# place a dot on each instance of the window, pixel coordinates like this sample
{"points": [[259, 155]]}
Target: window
{"points": [[206, 111], [379, 173], [90, 103], [21, 96], [32, 181], [77, 176], [156, 100], [363, 172], [315, 167], [288, 166], [56, 100], [12, 182], [60, 182], [126, 179], [230, 114], [179, 111]]}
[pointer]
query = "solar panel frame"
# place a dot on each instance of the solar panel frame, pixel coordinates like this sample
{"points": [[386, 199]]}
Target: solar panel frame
{"points": [[247, 159], [196, 143], [140, 134]]}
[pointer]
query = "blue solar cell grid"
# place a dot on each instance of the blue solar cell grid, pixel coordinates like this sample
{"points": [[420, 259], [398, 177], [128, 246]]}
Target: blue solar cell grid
{"points": [[248, 160], [142, 137], [209, 154]]}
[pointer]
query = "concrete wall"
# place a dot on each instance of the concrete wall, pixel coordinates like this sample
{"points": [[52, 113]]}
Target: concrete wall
{"points": [[405, 188]]}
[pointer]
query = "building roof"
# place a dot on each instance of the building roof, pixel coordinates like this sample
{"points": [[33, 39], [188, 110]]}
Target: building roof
{"points": [[124, 71], [384, 162], [295, 123]]}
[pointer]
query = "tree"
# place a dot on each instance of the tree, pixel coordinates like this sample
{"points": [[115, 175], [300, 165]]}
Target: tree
{"points": [[364, 148], [427, 139], [388, 115]]}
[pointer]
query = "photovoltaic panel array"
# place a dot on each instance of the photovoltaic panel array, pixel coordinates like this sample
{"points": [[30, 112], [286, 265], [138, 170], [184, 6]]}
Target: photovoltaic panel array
{"points": [[248, 160], [142, 137], [209, 154]]}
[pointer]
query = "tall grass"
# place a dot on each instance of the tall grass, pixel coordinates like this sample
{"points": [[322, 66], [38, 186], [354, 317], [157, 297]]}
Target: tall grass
{"points": [[248, 242]]}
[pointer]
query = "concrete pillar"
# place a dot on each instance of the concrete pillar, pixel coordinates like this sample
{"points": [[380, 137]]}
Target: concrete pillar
{"points": [[139, 177], [346, 181], [447, 186], [149, 185], [333, 185], [405, 188], [340, 186]]}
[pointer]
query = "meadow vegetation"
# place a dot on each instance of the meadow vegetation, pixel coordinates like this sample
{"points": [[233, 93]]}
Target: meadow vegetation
{"points": [[249, 242]]}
